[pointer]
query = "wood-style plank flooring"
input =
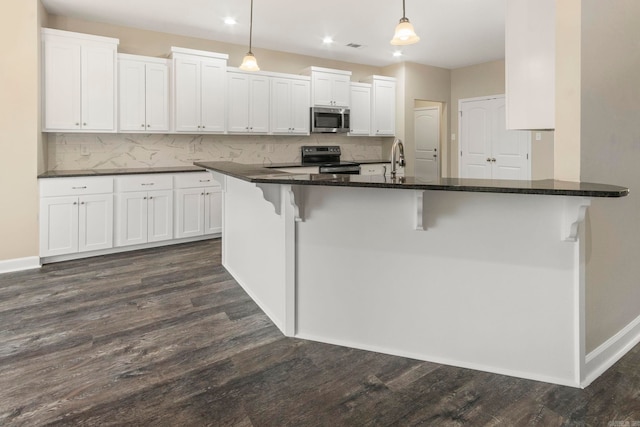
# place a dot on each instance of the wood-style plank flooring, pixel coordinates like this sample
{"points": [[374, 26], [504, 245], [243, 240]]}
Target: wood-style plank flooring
{"points": [[166, 337]]}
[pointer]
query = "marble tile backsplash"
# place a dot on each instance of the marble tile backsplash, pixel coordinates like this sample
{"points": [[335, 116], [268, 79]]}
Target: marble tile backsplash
{"points": [[69, 151]]}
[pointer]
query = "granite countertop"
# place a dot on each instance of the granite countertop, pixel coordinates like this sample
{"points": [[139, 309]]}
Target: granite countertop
{"points": [[123, 171], [261, 174]]}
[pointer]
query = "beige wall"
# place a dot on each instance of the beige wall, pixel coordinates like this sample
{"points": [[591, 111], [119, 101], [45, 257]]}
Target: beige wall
{"points": [[157, 44], [568, 90], [610, 153], [20, 132], [419, 82]]}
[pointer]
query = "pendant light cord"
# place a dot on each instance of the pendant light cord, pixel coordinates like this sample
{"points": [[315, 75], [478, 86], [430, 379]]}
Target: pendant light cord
{"points": [[251, 26], [404, 15]]}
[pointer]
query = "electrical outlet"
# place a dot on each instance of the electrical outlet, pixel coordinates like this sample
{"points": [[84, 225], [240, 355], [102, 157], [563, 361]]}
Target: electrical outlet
{"points": [[84, 150], [538, 136], [453, 136]]}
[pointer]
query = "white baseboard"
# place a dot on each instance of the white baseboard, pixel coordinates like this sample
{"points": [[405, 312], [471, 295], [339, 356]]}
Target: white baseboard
{"points": [[19, 264], [443, 361], [609, 352]]}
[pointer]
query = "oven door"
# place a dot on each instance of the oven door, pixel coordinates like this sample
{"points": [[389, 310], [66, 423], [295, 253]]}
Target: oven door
{"points": [[342, 169]]}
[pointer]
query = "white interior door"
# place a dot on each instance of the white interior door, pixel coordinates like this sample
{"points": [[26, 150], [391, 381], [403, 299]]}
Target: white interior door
{"points": [[487, 149], [427, 139]]}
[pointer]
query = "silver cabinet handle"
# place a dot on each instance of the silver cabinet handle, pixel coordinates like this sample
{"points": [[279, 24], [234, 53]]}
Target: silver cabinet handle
{"points": [[205, 180], [79, 188], [148, 183]]}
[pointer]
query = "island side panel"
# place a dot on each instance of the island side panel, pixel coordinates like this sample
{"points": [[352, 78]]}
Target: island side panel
{"points": [[254, 246], [490, 284]]}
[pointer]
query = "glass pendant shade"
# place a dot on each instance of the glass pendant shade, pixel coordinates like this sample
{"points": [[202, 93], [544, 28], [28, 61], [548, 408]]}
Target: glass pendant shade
{"points": [[249, 63], [405, 34]]}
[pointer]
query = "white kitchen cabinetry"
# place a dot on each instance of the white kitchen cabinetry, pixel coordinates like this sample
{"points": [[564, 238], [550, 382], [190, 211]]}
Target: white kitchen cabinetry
{"points": [[383, 105], [198, 205], [530, 52], [143, 94], [76, 215], [144, 209], [200, 83], [248, 105], [329, 88], [290, 103], [79, 82], [360, 109]]}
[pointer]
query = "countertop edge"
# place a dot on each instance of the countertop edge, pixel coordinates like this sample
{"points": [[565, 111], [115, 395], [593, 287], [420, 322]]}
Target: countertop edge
{"points": [[124, 171], [254, 172]]}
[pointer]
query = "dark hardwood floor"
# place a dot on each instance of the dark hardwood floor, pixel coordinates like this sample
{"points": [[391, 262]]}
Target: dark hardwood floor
{"points": [[166, 337]]}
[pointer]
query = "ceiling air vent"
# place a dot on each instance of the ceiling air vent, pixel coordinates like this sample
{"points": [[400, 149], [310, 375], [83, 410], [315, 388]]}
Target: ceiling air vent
{"points": [[355, 45]]}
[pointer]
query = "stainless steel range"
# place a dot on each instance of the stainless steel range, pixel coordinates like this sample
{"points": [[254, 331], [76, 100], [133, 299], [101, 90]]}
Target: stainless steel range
{"points": [[327, 157]]}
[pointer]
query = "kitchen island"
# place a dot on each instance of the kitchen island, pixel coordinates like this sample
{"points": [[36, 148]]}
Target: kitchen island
{"points": [[482, 274]]}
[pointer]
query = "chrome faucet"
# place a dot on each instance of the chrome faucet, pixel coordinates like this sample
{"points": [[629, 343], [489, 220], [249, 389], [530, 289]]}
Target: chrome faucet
{"points": [[397, 143]]}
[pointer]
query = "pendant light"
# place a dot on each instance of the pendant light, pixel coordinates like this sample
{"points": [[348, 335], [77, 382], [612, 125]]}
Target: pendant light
{"points": [[405, 34], [249, 62]]}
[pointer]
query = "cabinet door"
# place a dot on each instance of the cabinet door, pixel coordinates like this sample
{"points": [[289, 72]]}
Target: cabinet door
{"points": [[58, 226], [132, 95], [157, 97], [95, 224], [189, 212], [160, 215], [300, 106], [212, 210], [259, 104], [384, 107], [322, 89], [360, 110], [62, 85], [187, 95], [281, 106], [131, 220], [341, 89], [213, 95], [98, 87], [238, 102]]}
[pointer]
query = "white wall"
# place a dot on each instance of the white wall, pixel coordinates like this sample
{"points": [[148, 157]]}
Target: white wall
{"points": [[610, 153]]}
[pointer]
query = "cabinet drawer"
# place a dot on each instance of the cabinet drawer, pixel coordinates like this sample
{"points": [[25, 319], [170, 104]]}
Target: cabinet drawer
{"points": [[144, 182], [194, 180], [53, 187]]}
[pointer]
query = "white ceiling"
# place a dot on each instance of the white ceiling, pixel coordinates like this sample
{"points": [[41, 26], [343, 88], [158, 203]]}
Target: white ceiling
{"points": [[454, 33]]}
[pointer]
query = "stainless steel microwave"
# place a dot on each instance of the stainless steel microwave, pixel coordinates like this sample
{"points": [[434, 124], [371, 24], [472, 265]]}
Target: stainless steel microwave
{"points": [[329, 120]]}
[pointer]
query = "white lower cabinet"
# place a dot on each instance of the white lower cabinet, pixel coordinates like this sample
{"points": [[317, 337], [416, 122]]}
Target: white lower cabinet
{"points": [[198, 205], [144, 209], [72, 219]]}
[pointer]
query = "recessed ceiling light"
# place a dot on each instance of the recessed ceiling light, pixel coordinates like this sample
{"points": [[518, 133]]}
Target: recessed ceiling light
{"points": [[230, 21], [397, 53], [327, 40]]}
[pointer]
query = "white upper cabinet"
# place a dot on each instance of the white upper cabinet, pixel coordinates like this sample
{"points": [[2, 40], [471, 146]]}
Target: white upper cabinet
{"points": [[383, 105], [330, 88], [200, 83], [79, 79], [530, 64], [290, 103], [144, 93], [360, 109], [248, 106]]}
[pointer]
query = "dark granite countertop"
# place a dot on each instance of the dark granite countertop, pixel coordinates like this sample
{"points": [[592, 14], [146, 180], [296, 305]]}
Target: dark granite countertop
{"points": [[124, 171], [261, 174]]}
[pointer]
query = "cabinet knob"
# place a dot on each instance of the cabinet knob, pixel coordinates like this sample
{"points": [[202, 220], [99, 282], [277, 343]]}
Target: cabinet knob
{"points": [[148, 126], [77, 124], [82, 203], [142, 125], [75, 203], [493, 160], [84, 124], [488, 159], [150, 197], [144, 198], [198, 126], [203, 127], [202, 194]]}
